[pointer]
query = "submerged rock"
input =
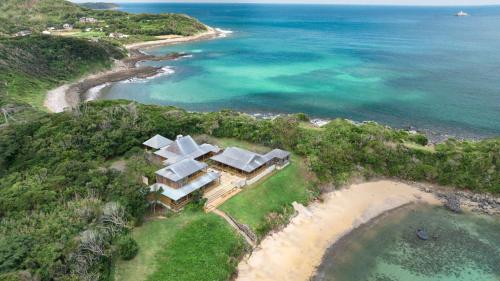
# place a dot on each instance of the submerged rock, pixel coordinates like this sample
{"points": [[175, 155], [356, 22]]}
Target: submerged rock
{"points": [[422, 234]]}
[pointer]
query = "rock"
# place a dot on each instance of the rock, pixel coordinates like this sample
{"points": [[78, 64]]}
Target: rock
{"points": [[453, 203], [422, 234]]}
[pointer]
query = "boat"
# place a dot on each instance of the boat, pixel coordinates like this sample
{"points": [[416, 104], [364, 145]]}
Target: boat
{"points": [[422, 234], [461, 14]]}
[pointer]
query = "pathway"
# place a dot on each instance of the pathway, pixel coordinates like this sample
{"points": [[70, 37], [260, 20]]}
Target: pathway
{"points": [[234, 224]]}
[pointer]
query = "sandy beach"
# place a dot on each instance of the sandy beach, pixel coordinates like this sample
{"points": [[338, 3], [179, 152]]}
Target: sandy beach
{"points": [[69, 95], [296, 251], [174, 39]]}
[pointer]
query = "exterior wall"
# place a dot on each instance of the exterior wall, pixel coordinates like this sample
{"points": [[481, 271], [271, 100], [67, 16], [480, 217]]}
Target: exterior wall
{"points": [[180, 183], [179, 204], [160, 179]]}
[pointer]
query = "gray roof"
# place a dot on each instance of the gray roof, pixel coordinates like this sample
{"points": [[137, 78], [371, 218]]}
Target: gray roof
{"points": [[157, 142], [177, 193], [277, 153], [241, 159], [185, 147], [181, 169]]}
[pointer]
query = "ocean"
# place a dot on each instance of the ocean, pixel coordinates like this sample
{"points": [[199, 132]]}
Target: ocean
{"points": [[400, 66], [461, 247]]}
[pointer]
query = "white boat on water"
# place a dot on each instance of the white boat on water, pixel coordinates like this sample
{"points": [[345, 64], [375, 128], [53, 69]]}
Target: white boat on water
{"points": [[461, 14]]}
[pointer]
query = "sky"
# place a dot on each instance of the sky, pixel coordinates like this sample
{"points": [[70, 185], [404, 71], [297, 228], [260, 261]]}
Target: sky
{"points": [[357, 2]]}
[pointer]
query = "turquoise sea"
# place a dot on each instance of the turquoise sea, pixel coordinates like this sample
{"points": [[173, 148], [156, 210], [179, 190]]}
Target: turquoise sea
{"points": [[461, 247], [400, 66]]}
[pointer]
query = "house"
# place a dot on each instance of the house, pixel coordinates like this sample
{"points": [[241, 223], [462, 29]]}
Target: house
{"points": [[177, 183], [185, 147], [67, 26], [87, 20], [240, 161], [157, 142], [117, 35], [88, 29], [46, 32], [249, 164], [22, 33]]}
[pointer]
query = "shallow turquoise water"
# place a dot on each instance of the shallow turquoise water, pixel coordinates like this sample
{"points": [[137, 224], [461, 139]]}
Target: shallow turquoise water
{"points": [[397, 65], [461, 248]]}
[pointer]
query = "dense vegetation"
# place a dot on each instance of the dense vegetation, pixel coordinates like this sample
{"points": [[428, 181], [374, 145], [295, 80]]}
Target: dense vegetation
{"points": [[54, 187], [29, 66], [38, 15]]}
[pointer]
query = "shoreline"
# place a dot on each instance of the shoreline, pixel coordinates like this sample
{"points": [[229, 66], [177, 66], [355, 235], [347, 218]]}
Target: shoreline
{"points": [[69, 95], [295, 252]]}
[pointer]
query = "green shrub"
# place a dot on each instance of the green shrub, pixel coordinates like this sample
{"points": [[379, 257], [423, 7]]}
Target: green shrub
{"points": [[127, 247]]}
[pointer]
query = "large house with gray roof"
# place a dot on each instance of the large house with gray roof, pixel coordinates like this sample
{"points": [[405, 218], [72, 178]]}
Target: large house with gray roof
{"points": [[184, 147], [246, 163], [184, 174], [178, 181]]}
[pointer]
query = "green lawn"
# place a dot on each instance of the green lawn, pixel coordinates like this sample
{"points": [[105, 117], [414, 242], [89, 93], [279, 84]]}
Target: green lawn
{"points": [[188, 246], [254, 203]]}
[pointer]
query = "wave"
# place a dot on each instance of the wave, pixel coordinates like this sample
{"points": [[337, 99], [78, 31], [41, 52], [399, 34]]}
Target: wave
{"points": [[93, 93], [223, 32], [166, 70]]}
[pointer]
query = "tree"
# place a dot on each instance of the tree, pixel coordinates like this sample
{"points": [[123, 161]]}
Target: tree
{"points": [[156, 196]]}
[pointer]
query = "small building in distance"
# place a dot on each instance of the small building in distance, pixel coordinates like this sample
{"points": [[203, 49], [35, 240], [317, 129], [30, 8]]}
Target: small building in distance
{"points": [[176, 183], [185, 147], [117, 35], [87, 20], [67, 26], [22, 33]]}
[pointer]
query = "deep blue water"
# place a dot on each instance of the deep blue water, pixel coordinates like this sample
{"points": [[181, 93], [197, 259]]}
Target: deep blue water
{"points": [[400, 66]]}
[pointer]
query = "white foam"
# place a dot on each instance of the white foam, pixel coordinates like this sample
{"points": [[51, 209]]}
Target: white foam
{"points": [[223, 32], [93, 93], [166, 70]]}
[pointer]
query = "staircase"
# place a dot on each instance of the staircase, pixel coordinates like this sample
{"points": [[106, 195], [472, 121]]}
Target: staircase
{"points": [[219, 195]]}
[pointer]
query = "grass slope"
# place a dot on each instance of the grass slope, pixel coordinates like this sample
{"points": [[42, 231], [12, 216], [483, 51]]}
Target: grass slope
{"points": [[275, 194], [188, 246]]}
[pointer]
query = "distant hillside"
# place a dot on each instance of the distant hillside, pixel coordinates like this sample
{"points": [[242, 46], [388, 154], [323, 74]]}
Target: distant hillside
{"points": [[99, 5], [38, 15], [31, 65]]}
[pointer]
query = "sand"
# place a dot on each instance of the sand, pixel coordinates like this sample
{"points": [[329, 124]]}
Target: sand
{"points": [[55, 101], [175, 39], [296, 251]]}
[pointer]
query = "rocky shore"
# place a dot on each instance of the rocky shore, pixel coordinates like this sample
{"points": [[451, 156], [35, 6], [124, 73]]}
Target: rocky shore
{"points": [[70, 95], [456, 200]]}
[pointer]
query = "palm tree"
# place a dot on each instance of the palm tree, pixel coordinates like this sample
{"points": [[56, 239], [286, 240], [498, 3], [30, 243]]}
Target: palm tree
{"points": [[156, 196]]}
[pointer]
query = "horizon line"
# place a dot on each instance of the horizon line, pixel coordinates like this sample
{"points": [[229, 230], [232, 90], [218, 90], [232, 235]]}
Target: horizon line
{"points": [[294, 3]]}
